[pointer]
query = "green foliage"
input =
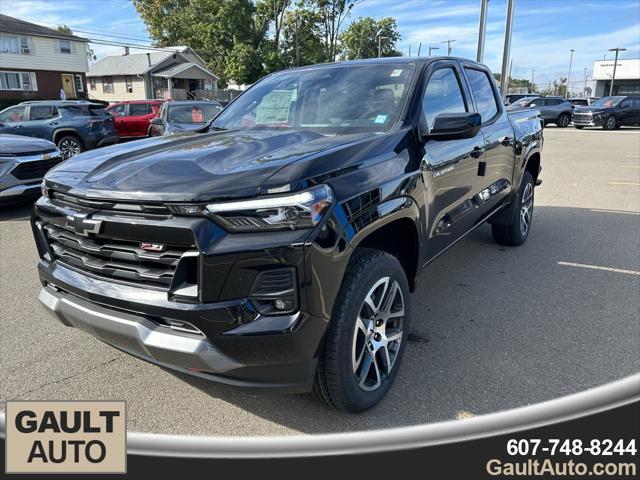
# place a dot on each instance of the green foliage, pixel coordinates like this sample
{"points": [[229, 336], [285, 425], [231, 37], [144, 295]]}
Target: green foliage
{"points": [[360, 39]]}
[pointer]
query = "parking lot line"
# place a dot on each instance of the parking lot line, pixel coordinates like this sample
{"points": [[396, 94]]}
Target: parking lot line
{"points": [[628, 166], [598, 267], [602, 210], [624, 183]]}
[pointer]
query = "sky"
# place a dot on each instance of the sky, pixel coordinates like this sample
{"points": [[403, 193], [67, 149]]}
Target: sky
{"points": [[544, 31]]}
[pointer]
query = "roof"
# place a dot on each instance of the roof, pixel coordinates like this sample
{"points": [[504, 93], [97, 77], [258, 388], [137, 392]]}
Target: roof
{"points": [[176, 69], [15, 25], [61, 103], [135, 64]]}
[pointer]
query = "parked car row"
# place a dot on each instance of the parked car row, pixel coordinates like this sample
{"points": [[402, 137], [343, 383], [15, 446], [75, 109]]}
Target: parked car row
{"points": [[607, 112], [37, 135]]}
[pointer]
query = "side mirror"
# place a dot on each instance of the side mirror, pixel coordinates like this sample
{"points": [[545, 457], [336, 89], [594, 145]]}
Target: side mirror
{"points": [[532, 105], [454, 126], [156, 121]]}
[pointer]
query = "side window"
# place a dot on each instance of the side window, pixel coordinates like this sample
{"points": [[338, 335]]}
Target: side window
{"points": [[139, 109], [117, 111], [13, 115], [41, 112], [483, 93], [442, 95]]}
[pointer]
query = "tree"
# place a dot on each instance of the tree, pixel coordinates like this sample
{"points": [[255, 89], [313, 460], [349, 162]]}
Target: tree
{"points": [[268, 11], [332, 14], [90, 53], [220, 31], [360, 39], [302, 40]]}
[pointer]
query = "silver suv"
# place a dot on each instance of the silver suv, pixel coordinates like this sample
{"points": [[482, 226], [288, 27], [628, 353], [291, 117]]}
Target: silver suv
{"points": [[552, 109]]}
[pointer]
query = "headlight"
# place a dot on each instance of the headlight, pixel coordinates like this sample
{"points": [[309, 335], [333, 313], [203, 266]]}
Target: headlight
{"points": [[6, 164], [286, 212]]}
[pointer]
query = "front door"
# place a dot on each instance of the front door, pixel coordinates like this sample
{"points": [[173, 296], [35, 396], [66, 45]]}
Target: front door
{"points": [[450, 167], [68, 86]]}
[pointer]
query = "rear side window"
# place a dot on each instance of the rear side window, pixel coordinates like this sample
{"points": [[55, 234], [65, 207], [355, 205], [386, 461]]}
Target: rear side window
{"points": [[85, 111], [139, 109], [483, 93], [442, 95], [42, 112]]}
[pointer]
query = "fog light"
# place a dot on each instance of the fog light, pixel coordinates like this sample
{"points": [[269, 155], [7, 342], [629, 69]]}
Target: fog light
{"points": [[279, 304]]}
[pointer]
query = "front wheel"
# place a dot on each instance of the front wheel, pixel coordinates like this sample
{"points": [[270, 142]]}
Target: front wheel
{"points": [[563, 120], [610, 122], [367, 335], [517, 230]]}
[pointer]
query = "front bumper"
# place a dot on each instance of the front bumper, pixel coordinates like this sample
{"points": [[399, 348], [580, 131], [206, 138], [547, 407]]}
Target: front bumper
{"points": [[587, 121], [17, 192]]}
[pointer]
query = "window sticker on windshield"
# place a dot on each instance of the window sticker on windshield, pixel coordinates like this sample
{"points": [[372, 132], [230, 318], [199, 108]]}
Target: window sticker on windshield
{"points": [[381, 119], [396, 73], [275, 106]]}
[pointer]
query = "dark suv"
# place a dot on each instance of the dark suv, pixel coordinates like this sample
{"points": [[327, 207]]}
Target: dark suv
{"points": [[552, 109], [74, 126], [608, 112]]}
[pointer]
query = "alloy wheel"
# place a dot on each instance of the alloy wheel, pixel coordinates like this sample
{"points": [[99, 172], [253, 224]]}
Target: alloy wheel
{"points": [[611, 123], [526, 209], [563, 121], [69, 148], [378, 334]]}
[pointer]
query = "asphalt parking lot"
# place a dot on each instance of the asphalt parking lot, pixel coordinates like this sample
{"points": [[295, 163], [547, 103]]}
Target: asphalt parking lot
{"points": [[493, 328]]}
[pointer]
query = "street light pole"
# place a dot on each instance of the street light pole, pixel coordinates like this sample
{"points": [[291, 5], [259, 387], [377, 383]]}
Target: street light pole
{"points": [[380, 45], [584, 91], [615, 64], [449, 47], [569, 75], [482, 29], [506, 52]]}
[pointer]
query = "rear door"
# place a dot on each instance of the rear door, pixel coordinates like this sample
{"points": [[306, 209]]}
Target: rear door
{"points": [[42, 121], [450, 167], [627, 115], [138, 119], [499, 138]]}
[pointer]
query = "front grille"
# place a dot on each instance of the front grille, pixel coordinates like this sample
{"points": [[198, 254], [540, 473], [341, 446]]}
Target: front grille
{"points": [[582, 117], [113, 258], [35, 169], [157, 209]]}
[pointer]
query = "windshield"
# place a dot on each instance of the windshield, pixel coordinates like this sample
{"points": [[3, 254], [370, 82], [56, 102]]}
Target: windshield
{"points": [[336, 100], [607, 102], [192, 113]]}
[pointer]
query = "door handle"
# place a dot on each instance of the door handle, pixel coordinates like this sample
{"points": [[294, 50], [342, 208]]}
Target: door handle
{"points": [[506, 141], [18, 126], [477, 152]]}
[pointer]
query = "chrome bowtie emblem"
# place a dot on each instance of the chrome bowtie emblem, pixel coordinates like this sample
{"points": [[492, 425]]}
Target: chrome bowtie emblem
{"points": [[82, 225]]}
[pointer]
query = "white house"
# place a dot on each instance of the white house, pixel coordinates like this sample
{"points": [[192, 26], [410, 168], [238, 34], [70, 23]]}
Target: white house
{"points": [[37, 62], [171, 73]]}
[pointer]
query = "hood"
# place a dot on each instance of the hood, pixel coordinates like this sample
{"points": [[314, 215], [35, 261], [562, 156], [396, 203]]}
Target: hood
{"points": [[182, 127], [585, 109], [20, 145], [189, 167]]}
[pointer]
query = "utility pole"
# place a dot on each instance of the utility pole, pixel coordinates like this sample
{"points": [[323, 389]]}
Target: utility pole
{"points": [[433, 48], [449, 47], [506, 52], [615, 64], [569, 75], [509, 77], [531, 87], [482, 29], [584, 91], [409, 50], [419, 48], [380, 45]]}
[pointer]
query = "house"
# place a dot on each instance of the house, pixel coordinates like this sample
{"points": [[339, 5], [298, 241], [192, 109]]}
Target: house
{"points": [[175, 73], [37, 62]]}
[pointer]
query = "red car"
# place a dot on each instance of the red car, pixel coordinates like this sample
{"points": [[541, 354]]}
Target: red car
{"points": [[132, 116]]}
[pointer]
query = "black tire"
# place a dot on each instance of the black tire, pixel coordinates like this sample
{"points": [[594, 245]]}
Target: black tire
{"points": [[563, 120], [337, 383], [610, 123], [579, 127], [515, 233], [70, 145]]}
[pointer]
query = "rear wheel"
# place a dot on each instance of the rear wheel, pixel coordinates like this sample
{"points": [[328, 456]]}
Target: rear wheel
{"points": [[367, 335], [610, 122], [70, 146], [563, 120], [517, 230]]}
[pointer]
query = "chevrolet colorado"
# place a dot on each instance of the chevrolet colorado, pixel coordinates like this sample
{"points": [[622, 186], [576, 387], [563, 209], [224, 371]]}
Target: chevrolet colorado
{"points": [[276, 248]]}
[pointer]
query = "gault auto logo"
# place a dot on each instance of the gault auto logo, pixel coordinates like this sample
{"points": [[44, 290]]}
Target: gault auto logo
{"points": [[65, 437]]}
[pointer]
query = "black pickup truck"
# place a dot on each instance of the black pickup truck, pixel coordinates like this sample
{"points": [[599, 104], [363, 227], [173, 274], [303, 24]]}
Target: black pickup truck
{"points": [[276, 248]]}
